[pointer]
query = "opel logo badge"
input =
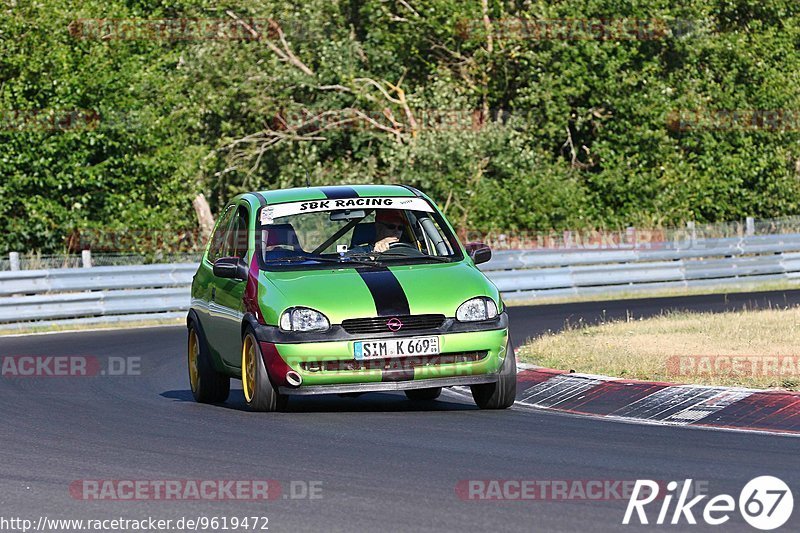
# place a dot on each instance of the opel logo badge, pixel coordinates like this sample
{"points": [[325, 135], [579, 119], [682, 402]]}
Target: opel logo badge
{"points": [[394, 324]]}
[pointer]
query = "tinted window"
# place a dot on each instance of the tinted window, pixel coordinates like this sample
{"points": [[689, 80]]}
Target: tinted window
{"points": [[238, 244], [219, 238]]}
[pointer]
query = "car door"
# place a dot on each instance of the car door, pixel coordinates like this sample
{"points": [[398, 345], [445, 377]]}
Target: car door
{"points": [[227, 294], [208, 284]]}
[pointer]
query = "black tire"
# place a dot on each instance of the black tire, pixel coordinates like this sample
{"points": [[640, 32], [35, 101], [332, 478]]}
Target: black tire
{"points": [[501, 394], [423, 394], [259, 392], [208, 385]]}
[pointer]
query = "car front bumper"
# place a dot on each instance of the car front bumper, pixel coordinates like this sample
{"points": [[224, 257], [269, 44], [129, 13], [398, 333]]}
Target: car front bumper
{"points": [[383, 386], [465, 358]]}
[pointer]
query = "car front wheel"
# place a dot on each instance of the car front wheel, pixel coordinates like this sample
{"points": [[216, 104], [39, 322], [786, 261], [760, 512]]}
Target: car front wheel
{"points": [[259, 392], [501, 394]]}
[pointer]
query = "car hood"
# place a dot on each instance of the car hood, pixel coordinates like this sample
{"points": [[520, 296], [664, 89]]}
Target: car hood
{"points": [[344, 293]]}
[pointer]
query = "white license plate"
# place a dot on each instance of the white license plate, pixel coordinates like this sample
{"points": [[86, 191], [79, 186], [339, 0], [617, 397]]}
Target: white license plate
{"points": [[396, 347]]}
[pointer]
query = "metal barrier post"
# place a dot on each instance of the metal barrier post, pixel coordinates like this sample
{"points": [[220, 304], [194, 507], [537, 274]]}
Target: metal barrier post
{"points": [[86, 258]]}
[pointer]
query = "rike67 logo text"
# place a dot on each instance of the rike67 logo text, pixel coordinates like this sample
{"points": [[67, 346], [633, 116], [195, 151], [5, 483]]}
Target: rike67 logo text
{"points": [[765, 503]]}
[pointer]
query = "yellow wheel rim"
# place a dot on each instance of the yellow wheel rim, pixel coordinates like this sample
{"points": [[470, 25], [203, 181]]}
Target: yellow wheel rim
{"points": [[248, 368], [194, 354]]}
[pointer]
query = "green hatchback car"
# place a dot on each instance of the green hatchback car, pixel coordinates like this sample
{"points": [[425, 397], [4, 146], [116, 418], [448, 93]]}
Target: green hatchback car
{"points": [[346, 290]]}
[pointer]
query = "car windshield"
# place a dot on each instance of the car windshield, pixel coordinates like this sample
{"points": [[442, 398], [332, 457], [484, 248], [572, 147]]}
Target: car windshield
{"points": [[353, 232]]}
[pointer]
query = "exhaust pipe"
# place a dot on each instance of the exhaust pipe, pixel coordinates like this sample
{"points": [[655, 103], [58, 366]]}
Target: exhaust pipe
{"points": [[293, 379]]}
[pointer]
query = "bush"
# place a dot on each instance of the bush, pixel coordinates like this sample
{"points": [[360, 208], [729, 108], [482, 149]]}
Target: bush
{"points": [[519, 134]]}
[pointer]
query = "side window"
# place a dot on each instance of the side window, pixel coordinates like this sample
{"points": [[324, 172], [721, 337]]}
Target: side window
{"points": [[239, 234], [217, 248]]}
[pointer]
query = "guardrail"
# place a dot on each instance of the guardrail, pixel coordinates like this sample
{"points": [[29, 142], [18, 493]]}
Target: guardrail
{"points": [[114, 293], [535, 274]]}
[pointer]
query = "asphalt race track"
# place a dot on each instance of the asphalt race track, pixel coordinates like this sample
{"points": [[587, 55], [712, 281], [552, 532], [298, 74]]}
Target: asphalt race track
{"points": [[379, 462]]}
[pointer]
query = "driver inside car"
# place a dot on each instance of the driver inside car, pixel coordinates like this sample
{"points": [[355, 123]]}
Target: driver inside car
{"points": [[389, 225]]}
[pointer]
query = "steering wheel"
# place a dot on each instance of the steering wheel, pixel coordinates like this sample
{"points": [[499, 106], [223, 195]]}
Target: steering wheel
{"points": [[402, 245]]}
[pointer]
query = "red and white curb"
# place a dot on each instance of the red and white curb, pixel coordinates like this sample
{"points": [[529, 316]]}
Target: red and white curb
{"points": [[659, 403]]}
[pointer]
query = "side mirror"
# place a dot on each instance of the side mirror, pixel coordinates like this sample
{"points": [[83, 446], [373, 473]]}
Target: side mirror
{"points": [[231, 268], [479, 252]]}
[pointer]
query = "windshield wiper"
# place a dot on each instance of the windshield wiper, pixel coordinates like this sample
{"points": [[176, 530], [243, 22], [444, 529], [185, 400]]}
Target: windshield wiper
{"points": [[422, 256], [362, 259], [304, 258], [301, 258]]}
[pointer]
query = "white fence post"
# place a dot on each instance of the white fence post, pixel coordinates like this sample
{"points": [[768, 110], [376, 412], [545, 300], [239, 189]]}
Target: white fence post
{"points": [[86, 258], [13, 258], [750, 226], [567, 239]]}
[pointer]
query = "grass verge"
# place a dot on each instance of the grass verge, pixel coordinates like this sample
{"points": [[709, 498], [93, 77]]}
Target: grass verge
{"points": [[758, 349], [56, 328]]}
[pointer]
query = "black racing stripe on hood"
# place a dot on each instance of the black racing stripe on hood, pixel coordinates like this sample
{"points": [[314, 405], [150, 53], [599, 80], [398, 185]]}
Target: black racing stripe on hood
{"points": [[261, 199], [338, 192], [389, 296]]}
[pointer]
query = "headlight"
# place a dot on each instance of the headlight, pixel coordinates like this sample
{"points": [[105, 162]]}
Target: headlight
{"points": [[303, 319], [476, 309]]}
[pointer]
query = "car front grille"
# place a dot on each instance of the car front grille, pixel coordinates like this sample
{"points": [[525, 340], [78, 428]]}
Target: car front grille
{"points": [[362, 326], [394, 363]]}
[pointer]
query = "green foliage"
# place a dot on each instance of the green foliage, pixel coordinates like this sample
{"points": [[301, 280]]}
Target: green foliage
{"points": [[504, 130]]}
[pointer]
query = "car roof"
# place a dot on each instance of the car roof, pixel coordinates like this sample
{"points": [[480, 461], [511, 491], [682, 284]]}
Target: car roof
{"points": [[302, 194]]}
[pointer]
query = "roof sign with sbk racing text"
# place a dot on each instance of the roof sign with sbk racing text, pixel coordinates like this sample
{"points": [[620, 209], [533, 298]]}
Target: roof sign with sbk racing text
{"points": [[271, 212]]}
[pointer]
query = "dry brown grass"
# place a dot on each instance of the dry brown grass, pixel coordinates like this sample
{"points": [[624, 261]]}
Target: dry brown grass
{"points": [[641, 349], [58, 328]]}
